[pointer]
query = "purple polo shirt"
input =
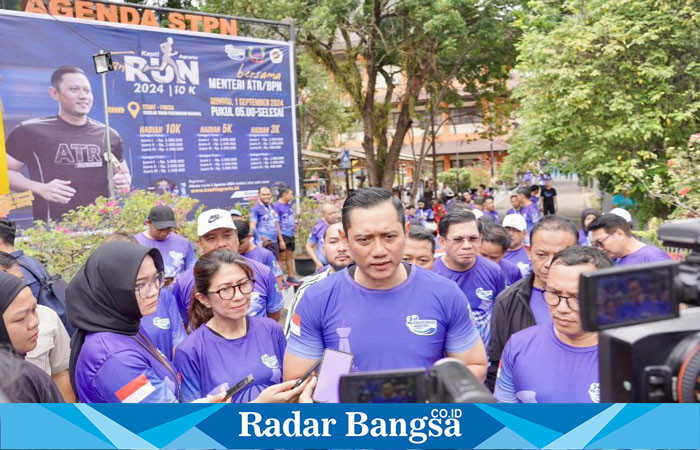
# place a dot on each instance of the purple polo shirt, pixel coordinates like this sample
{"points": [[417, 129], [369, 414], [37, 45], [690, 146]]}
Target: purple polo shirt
{"points": [[510, 272], [646, 254], [519, 258]]}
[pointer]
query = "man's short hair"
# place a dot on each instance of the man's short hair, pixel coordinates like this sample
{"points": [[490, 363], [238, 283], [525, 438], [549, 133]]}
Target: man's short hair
{"points": [[421, 234], [580, 254], [554, 223], [242, 228], [283, 190], [482, 186], [479, 200], [534, 188], [496, 234], [367, 198], [523, 190], [8, 231], [263, 187], [57, 75], [7, 261], [514, 195], [455, 218], [610, 223]]}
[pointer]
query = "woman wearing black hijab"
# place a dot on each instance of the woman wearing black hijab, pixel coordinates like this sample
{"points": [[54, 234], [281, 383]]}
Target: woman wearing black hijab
{"points": [[21, 381], [587, 216], [112, 358]]}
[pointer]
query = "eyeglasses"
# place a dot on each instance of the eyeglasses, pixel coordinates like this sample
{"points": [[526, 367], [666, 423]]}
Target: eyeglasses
{"points": [[144, 289], [599, 244], [473, 240], [228, 292], [553, 299]]}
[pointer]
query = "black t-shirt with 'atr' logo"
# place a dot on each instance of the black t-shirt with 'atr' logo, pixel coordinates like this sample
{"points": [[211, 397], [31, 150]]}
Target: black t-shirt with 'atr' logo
{"points": [[53, 148]]}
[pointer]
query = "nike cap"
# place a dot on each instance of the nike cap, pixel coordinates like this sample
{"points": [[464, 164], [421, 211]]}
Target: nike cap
{"points": [[162, 217], [622, 213], [515, 221], [213, 219]]}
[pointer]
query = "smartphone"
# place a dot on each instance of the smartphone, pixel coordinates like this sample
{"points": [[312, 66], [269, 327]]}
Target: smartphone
{"points": [[238, 386], [307, 374], [334, 365]]}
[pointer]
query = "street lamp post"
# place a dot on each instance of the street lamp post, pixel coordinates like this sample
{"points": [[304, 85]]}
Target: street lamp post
{"points": [[103, 64]]}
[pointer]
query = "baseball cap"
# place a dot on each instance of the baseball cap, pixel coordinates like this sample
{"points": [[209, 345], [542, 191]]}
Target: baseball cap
{"points": [[235, 212], [213, 219], [622, 213], [477, 212], [162, 217], [515, 221]]}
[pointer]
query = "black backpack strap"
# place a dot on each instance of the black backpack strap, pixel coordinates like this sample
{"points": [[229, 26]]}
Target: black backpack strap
{"points": [[43, 280]]}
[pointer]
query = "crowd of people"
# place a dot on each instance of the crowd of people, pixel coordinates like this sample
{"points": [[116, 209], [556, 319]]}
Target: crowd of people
{"points": [[397, 286]]}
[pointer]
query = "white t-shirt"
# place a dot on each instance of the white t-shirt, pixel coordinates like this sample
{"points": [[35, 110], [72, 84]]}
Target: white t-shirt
{"points": [[52, 351]]}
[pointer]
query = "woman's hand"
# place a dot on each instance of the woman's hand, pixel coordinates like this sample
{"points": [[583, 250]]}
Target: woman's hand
{"points": [[308, 393]]}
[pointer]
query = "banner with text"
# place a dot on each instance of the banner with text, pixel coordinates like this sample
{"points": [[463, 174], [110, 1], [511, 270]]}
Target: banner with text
{"points": [[207, 116]]}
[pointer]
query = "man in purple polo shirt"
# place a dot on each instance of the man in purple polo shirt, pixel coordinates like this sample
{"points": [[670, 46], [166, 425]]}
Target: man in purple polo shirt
{"points": [[515, 205], [178, 254], [247, 248], [217, 230], [522, 305], [388, 314], [420, 248], [329, 215], [480, 279], [494, 245], [613, 234], [285, 212], [517, 253], [265, 224], [555, 362], [528, 209], [489, 209]]}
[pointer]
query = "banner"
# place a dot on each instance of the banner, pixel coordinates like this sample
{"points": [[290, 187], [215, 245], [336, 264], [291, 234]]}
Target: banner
{"points": [[203, 115], [477, 426]]}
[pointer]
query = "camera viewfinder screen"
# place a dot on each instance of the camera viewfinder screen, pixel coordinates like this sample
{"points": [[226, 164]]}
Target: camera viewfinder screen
{"points": [[634, 297], [398, 389]]}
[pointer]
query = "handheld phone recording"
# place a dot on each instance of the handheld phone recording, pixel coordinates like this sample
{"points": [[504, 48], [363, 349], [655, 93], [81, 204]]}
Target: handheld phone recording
{"points": [[238, 386], [334, 365]]}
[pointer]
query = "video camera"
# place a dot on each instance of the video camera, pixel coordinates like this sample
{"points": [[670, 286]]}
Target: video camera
{"points": [[649, 348], [448, 381]]}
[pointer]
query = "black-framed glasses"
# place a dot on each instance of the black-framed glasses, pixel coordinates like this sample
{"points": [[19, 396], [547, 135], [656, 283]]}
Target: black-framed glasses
{"points": [[228, 292], [144, 289], [473, 240], [599, 244], [553, 299]]}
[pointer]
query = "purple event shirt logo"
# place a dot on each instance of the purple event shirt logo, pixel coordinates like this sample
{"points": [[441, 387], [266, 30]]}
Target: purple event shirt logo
{"points": [[426, 327]]}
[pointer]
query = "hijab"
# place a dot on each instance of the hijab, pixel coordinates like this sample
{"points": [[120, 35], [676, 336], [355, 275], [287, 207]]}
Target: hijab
{"points": [[101, 297], [10, 287], [585, 213]]}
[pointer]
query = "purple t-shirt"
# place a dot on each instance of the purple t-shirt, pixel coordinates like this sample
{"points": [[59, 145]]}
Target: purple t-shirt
{"points": [[519, 258], [583, 238], [316, 237], [411, 325], [266, 257], [178, 255], [165, 327], [266, 297], [285, 212], [539, 307], [510, 272], [493, 214], [266, 220], [206, 360], [114, 368], [646, 254], [481, 284], [537, 367], [531, 214], [513, 211]]}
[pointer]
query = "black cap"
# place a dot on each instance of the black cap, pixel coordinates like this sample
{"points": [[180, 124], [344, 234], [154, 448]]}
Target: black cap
{"points": [[162, 217]]}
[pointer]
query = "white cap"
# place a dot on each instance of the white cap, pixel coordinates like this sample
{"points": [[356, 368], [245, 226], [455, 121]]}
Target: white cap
{"points": [[622, 213], [515, 221], [477, 212], [213, 219]]}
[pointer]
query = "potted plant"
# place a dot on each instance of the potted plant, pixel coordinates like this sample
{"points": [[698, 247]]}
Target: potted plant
{"points": [[306, 218]]}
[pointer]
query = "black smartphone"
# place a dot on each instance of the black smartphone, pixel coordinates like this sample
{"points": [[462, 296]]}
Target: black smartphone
{"points": [[238, 386], [307, 374]]}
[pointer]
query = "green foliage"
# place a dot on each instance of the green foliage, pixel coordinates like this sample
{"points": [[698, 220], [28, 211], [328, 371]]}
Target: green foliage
{"points": [[65, 245], [606, 86], [305, 222], [450, 177]]}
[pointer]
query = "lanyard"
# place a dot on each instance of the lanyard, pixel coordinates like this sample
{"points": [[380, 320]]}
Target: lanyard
{"points": [[153, 351]]}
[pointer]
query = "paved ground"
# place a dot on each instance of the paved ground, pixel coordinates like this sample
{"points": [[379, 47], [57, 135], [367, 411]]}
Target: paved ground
{"points": [[571, 199]]}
